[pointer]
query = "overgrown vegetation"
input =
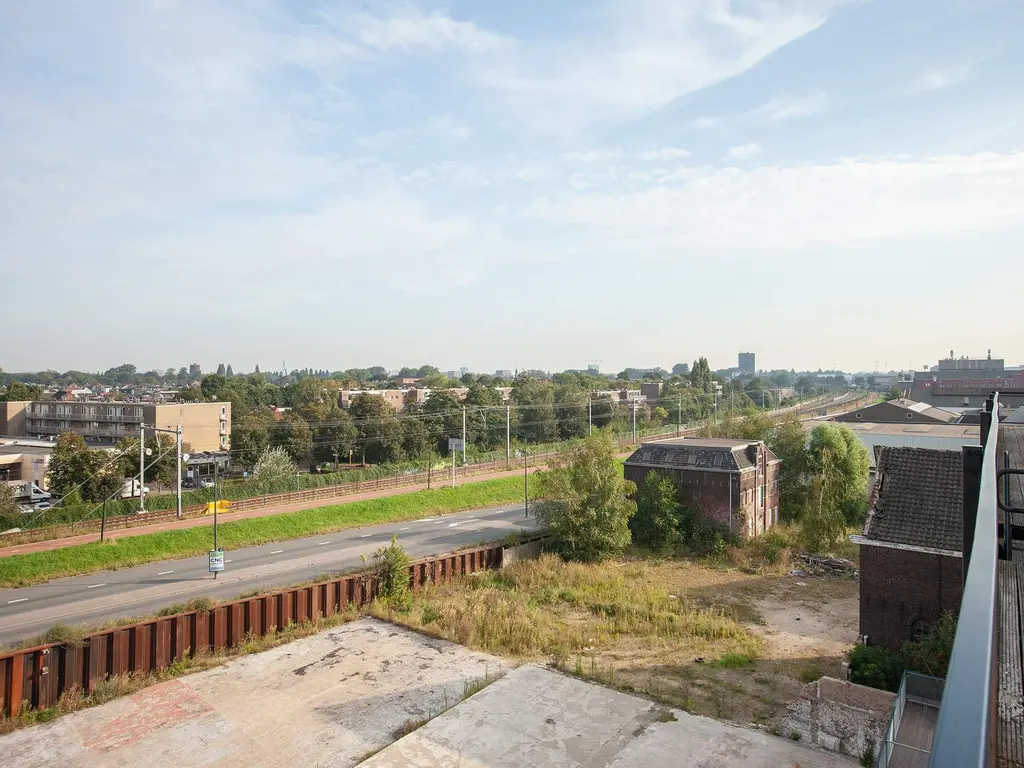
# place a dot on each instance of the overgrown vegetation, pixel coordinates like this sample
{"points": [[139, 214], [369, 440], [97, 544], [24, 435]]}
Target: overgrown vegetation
{"points": [[881, 667], [551, 609], [36, 567], [585, 501], [656, 523], [389, 570]]}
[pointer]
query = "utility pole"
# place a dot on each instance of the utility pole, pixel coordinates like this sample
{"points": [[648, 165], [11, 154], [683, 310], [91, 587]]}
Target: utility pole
{"points": [[590, 414], [142, 468], [526, 483], [679, 417], [463, 435], [177, 446], [634, 422], [716, 408], [453, 466], [508, 437], [216, 503]]}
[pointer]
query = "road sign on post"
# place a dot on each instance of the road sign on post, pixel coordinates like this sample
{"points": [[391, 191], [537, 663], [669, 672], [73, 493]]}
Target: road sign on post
{"points": [[456, 444], [216, 560]]}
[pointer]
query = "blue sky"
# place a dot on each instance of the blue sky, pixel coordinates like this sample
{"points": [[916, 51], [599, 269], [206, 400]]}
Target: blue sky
{"points": [[500, 185]]}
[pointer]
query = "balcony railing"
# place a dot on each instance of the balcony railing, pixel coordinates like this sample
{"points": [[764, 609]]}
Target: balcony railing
{"points": [[907, 739], [965, 733]]}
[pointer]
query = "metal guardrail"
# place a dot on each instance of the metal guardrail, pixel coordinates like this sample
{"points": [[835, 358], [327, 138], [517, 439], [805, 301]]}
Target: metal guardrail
{"points": [[965, 734], [916, 689]]}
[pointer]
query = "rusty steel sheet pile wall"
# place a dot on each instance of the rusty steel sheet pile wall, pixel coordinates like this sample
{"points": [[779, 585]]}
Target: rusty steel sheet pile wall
{"points": [[36, 677]]}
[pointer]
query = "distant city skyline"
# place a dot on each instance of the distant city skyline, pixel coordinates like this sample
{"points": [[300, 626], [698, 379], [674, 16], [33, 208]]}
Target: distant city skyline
{"points": [[268, 367], [492, 184]]}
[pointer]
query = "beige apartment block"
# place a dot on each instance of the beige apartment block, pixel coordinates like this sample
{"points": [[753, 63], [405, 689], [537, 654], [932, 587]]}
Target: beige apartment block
{"points": [[205, 426]]}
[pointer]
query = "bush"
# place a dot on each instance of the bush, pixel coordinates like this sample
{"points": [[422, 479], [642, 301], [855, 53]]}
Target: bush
{"points": [[771, 547], [389, 569], [880, 667], [656, 523]]}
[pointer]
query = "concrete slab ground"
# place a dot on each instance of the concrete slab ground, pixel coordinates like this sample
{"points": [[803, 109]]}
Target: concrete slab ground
{"points": [[325, 700], [538, 717]]}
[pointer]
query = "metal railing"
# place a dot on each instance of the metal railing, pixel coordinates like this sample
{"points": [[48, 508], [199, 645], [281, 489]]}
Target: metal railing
{"points": [[917, 689], [965, 734]]}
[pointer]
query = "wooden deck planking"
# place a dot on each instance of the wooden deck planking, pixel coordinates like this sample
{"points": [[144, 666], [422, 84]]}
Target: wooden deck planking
{"points": [[916, 730]]}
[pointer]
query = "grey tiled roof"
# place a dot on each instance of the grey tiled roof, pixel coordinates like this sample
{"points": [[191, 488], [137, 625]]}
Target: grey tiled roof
{"points": [[918, 498], [697, 453]]}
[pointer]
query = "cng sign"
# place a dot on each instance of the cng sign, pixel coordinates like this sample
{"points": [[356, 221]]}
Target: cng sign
{"points": [[216, 560]]}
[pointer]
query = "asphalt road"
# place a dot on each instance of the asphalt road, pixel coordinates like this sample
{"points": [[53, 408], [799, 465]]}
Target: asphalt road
{"points": [[142, 591]]}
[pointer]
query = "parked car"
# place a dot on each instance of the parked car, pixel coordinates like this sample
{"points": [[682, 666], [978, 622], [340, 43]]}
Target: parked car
{"points": [[206, 482], [189, 482], [44, 505]]}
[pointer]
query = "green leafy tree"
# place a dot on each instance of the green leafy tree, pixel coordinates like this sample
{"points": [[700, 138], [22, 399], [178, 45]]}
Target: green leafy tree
{"points": [[700, 375], [94, 474], [681, 369], [221, 371], [213, 386], [788, 441], [250, 435], [571, 408], [380, 433], [274, 469], [416, 439], [293, 434], [334, 435], [444, 417], [837, 495], [10, 515], [894, 393], [834, 449], [18, 391], [585, 502], [485, 419], [656, 523], [533, 404]]}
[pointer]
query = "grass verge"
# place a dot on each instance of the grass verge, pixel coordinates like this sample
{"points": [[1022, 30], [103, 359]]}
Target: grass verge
{"points": [[37, 567]]}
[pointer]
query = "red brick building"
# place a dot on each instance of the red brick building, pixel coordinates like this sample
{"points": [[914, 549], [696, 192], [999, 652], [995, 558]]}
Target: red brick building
{"points": [[911, 570], [734, 483]]}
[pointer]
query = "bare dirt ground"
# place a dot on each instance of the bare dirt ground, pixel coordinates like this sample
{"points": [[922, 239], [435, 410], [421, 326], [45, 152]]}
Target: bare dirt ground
{"points": [[807, 625]]}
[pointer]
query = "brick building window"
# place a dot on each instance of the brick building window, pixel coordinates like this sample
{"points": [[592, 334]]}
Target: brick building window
{"points": [[919, 628]]}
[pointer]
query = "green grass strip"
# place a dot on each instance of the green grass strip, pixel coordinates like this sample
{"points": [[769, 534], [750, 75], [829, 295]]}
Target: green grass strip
{"points": [[37, 567]]}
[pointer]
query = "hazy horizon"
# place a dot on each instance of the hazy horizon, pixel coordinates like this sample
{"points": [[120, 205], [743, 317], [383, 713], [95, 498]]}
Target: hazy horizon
{"points": [[827, 183]]}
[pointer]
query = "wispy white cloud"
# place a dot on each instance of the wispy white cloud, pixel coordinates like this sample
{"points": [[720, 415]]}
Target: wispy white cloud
{"points": [[780, 109], [744, 151], [665, 153], [943, 77], [593, 155], [802, 206], [639, 55], [410, 29], [704, 123]]}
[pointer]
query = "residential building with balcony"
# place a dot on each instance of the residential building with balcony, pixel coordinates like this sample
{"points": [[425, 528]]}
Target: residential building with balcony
{"points": [[205, 426]]}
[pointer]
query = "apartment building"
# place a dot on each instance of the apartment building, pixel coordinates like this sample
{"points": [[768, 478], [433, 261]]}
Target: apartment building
{"points": [[205, 426]]}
